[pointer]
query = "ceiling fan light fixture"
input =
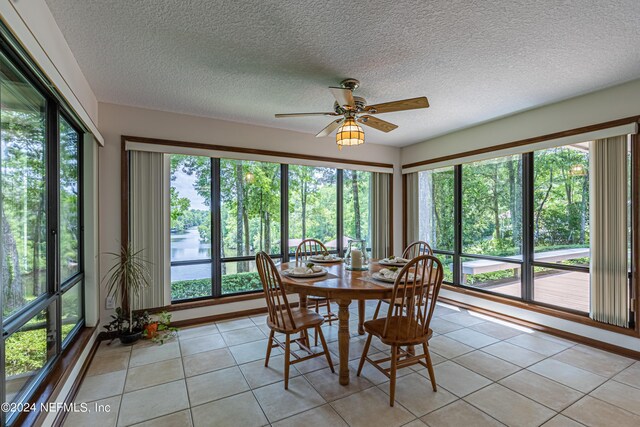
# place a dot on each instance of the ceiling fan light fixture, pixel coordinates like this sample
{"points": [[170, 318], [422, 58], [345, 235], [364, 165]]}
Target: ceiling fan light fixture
{"points": [[349, 133]]}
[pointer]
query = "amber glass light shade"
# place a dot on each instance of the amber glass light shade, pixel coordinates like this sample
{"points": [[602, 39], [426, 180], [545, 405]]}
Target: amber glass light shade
{"points": [[350, 133]]}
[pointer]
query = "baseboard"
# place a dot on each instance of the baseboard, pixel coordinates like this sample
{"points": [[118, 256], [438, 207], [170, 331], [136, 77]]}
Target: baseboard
{"points": [[622, 351]]}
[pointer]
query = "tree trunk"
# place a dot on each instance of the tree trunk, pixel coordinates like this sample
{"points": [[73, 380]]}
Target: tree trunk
{"points": [[12, 286], [356, 205], [239, 214], [496, 207], [267, 232], [303, 199]]}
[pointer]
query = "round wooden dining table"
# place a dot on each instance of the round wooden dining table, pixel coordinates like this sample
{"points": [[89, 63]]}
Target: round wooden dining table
{"points": [[343, 286]]}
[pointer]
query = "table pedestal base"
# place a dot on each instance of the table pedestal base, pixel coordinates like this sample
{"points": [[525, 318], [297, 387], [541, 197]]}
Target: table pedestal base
{"points": [[343, 339]]}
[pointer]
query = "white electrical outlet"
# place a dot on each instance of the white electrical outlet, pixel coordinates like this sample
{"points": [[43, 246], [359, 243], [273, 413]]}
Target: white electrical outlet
{"points": [[110, 303]]}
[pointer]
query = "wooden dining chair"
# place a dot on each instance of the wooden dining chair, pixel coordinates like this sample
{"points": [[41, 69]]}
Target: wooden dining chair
{"points": [[288, 321], [306, 248], [415, 249], [421, 277]]}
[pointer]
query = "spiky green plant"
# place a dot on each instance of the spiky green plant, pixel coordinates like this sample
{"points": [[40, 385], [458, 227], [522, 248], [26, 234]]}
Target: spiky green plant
{"points": [[128, 276]]}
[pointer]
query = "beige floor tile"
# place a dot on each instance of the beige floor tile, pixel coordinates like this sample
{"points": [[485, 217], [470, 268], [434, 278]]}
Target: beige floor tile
{"points": [[369, 372], [207, 361], [200, 344], [447, 347], [593, 360], [251, 351], [509, 407], [460, 414], [153, 402], [596, 413], [464, 319], [101, 386], [356, 346], [257, 375], [323, 416], [198, 331], [106, 416], [458, 379], [630, 376], [550, 393], [473, 338], [177, 419], [239, 410], [229, 325], [487, 365], [109, 346], [514, 354], [618, 394], [441, 326], [537, 344], [154, 374], [370, 408], [216, 385], [496, 330], [568, 375], [561, 421], [415, 423], [156, 353], [317, 363], [328, 385], [414, 392], [106, 362], [278, 403], [241, 336]]}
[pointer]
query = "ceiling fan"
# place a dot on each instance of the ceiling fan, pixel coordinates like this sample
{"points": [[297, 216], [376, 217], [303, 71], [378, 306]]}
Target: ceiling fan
{"points": [[351, 109]]}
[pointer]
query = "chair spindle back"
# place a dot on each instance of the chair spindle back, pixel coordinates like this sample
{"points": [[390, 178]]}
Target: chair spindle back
{"points": [[416, 249], [277, 303], [309, 247], [417, 286]]}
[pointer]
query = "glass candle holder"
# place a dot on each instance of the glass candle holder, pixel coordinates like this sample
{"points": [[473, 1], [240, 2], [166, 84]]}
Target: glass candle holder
{"points": [[357, 257]]}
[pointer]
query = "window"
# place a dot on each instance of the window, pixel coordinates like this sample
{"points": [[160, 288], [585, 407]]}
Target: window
{"points": [[42, 280], [523, 229], [313, 206], [224, 211], [356, 217], [191, 255], [249, 220], [436, 223]]}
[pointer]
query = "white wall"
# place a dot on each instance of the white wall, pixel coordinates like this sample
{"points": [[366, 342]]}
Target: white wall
{"points": [[609, 104], [118, 120], [32, 23]]}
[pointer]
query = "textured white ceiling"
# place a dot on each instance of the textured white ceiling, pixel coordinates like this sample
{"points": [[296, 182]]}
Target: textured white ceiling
{"points": [[246, 60]]}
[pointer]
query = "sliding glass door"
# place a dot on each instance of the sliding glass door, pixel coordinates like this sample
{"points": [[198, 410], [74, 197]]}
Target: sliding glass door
{"points": [[42, 274]]}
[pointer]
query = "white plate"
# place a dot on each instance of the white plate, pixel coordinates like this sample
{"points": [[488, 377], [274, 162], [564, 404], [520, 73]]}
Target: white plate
{"points": [[325, 261], [392, 264], [290, 273], [380, 277]]}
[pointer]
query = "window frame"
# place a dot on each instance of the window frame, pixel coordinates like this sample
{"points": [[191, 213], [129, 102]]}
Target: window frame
{"points": [[51, 300], [285, 255], [528, 262]]}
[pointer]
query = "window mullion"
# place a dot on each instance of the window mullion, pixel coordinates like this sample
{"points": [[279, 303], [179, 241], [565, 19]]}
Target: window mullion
{"points": [[527, 227], [457, 219], [340, 211], [216, 236], [284, 212]]}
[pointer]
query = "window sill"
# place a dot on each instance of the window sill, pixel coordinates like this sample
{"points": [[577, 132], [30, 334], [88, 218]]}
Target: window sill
{"points": [[582, 319], [187, 305]]}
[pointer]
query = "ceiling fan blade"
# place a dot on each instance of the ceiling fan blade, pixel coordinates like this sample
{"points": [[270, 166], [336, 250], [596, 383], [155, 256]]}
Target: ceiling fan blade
{"points": [[376, 123], [330, 128], [343, 96], [405, 104], [279, 116]]}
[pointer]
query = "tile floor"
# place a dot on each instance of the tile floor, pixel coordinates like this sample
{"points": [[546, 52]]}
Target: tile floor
{"points": [[489, 373]]}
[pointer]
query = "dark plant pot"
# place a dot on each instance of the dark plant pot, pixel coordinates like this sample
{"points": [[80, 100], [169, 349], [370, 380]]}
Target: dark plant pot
{"points": [[128, 338]]}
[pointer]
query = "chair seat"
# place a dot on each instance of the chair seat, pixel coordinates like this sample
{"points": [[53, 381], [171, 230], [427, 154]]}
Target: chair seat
{"points": [[303, 319], [400, 332], [316, 298]]}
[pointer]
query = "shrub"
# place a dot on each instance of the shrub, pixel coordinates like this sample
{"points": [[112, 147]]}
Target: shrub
{"points": [[231, 283]]}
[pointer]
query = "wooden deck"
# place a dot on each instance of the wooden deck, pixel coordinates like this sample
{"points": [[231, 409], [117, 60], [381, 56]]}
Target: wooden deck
{"points": [[568, 289]]}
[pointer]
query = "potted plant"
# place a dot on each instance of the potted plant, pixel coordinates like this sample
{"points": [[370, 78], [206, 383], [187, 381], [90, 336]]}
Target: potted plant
{"points": [[129, 275], [159, 329]]}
